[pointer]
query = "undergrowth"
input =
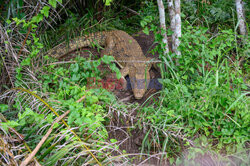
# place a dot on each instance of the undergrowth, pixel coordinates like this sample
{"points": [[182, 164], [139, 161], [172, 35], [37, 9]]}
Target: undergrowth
{"points": [[205, 94], [202, 108]]}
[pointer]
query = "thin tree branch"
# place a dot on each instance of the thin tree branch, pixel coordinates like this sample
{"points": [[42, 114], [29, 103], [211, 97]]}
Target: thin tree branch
{"points": [[131, 10]]}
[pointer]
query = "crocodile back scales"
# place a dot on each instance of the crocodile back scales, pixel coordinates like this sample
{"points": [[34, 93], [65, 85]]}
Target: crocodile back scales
{"points": [[79, 42]]}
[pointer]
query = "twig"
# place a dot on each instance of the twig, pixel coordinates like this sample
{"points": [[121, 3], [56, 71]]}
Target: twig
{"points": [[7, 71], [20, 51], [62, 62], [81, 99], [136, 61], [27, 160], [131, 10], [93, 25], [27, 35]]}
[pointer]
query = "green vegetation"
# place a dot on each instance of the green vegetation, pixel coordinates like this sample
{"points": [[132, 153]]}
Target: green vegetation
{"points": [[202, 107]]}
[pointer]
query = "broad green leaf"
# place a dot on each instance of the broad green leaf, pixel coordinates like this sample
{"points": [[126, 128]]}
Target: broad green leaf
{"points": [[3, 107], [143, 23], [37, 18], [8, 21], [52, 3], [45, 11], [113, 140], [146, 30], [107, 2], [107, 59]]}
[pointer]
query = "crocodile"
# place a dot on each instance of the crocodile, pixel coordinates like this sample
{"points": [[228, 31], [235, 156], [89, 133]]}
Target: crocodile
{"points": [[125, 50]]}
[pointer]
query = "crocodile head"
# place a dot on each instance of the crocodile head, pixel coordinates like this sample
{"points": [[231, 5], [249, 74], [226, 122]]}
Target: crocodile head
{"points": [[139, 78]]}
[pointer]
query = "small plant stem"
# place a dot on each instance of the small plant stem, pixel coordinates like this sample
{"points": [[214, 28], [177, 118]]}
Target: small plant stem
{"points": [[20, 51], [131, 10], [27, 35]]}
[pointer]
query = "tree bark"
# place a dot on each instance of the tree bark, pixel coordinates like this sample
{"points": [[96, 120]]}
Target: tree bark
{"points": [[241, 18], [175, 23], [177, 32], [163, 25], [171, 11]]}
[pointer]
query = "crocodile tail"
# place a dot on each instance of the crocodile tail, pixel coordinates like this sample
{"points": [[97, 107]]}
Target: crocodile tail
{"points": [[77, 43]]}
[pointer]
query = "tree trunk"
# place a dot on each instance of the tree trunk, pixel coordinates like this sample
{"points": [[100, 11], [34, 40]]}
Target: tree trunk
{"points": [[171, 11], [240, 16], [163, 25], [177, 32], [174, 8]]}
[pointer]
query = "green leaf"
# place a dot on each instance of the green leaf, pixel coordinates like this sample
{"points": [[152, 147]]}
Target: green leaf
{"points": [[3, 107], [107, 59], [143, 23], [178, 161], [146, 30], [28, 42], [74, 67], [107, 2], [52, 3], [192, 70], [118, 75], [26, 61], [114, 68], [171, 160], [11, 124], [148, 19], [184, 77], [55, 125], [37, 18], [8, 21], [76, 77], [96, 64], [113, 140], [18, 21], [45, 11], [170, 32]]}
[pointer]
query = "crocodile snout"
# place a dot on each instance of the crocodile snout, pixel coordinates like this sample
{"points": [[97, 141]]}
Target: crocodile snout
{"points": [[139, 93], [139, 87]]}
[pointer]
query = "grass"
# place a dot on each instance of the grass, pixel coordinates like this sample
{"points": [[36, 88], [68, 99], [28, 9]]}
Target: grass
{"points": [[202, 108]]}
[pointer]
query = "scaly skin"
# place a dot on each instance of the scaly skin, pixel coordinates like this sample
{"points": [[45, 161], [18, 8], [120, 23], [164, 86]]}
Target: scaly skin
{"points": [[123, 47]]}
